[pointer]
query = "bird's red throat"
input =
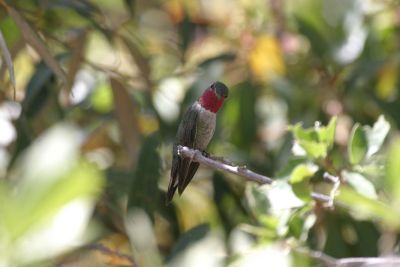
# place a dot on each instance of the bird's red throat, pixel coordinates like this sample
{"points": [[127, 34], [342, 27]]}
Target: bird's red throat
{"points": [[210, 101]]}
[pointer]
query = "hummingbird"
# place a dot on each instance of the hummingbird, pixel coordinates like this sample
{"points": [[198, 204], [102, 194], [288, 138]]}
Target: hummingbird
{"points": [[195, 131]]}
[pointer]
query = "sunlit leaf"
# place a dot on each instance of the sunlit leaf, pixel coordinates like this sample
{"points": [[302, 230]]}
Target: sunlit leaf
{"points": [[315, 141], [52, 184], [301, 173], [376, 136], [359, 183], [289, 167], [302, 134], [299, 180], [200, 243], [273, 198], [392, 181], [260, 255], [327, 134], [314, 149], [358, 145], [142, 238], [187, 239], [366, 208], [51, 175], [102, 98]]}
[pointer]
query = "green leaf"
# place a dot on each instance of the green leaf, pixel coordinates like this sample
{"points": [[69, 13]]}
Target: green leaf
{"points": [[281, 196], [300, 181], [327, 134], [358, 146], [361, 184], [301, 134], [392, 178], [363, 207], [272, 198], [376, 136], [313, 149], [83, 181], [301, 222], [287, 170], [302, 173], [315, 141], [50, 175], [102, 98]]}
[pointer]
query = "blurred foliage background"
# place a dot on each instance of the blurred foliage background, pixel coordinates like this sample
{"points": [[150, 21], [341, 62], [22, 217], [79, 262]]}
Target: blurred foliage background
{"points": [[91, 95]]}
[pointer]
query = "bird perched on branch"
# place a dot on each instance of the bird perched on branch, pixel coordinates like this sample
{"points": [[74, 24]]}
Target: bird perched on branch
{"points": [[195, 131]]}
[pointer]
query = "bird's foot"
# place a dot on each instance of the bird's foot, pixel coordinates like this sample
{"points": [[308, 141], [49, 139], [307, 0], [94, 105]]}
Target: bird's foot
{"points": [[205, 153]]}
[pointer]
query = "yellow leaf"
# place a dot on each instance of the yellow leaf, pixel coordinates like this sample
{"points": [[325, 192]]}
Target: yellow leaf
{"points": [[266, 60], [114, 251], [387, 80]]}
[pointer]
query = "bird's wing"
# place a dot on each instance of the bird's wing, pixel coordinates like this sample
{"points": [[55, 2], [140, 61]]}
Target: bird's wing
{"points": [[183, 169]]}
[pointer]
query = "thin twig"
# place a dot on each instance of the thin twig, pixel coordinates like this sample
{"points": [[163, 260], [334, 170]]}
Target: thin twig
{"points": [[222, 164], [336, 184]]}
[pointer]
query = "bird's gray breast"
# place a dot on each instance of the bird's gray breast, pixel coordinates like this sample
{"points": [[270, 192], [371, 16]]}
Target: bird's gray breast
{"points": [[205, 127]]}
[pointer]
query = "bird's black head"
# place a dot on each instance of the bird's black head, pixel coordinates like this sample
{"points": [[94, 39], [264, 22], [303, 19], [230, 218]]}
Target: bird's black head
{"points": [[220, 89]]}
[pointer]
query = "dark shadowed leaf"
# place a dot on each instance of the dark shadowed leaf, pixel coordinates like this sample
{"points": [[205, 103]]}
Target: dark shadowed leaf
{"points": [[187, 239], [140, 59], [245, 125], [318, 42], [32, 38], [144, 191], [7, 59], [76, 57], [126, 115], [37, 90], [226, 57], [358, 145], [130, 4]]}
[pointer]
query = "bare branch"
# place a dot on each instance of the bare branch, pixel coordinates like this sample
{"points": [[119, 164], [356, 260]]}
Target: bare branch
{"points": [[370, 262], [329, 261], [242, 171], [224, 165]]}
